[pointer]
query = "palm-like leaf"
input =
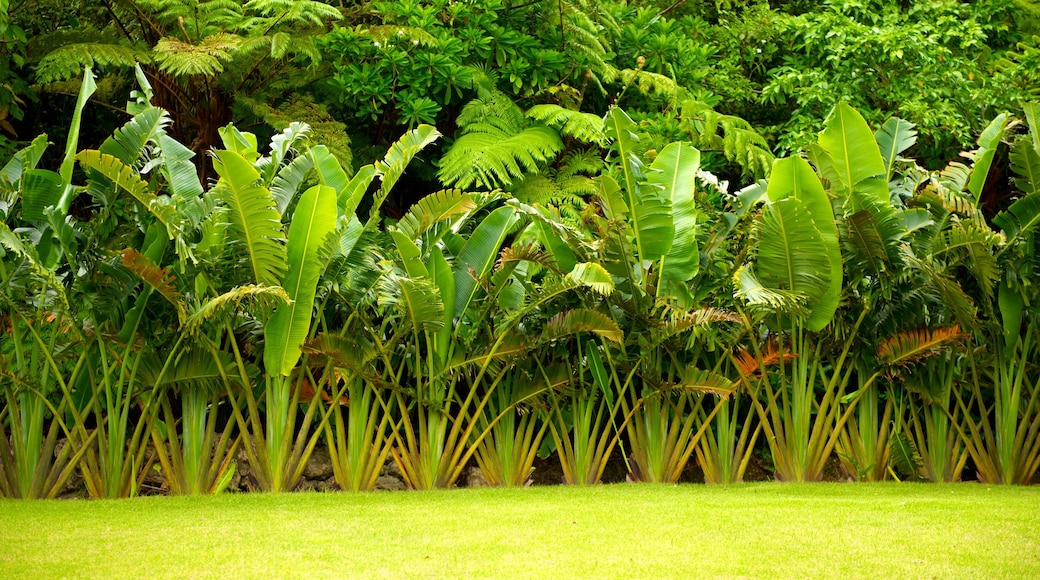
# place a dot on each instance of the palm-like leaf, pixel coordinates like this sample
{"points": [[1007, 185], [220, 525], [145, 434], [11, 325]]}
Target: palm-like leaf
{"points": [[255, 222], [477, 256], [581, 320], [1025, 161], [1020, 218], [127, 179], [443, 205], [911, 346], [893, 138], [231, 302], [592, 276]]}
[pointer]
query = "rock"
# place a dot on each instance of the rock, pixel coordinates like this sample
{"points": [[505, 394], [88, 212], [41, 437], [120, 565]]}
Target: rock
{"points": [[392, 469], [474, 477], [318, 485], [319, 466], [389, 483]]}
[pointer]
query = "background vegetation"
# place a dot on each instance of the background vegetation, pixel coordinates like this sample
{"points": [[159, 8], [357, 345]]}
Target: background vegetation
{"points": [[710, 232]]}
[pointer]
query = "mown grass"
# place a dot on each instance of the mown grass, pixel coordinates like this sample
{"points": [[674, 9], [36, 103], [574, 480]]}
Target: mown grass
{"points": [[757, 530]]}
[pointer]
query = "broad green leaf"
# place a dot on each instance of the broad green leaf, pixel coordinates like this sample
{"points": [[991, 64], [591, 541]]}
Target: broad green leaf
{"points": [[476, 257], [1011, 304], [313, 221], [330, 172], [255, 222], [397, 159], [351, 196], [793, 178], [850, 143], [181, 174], [72, 143], [41, 189], [599, 371], [1025, 161], [440, 272], [1032, 113], [675, 169], [127, 143], [24, 160], [1020, 218], [989, 140], [289, 180], [418, 300], [410, 254], [893, 138], [793, 256]]}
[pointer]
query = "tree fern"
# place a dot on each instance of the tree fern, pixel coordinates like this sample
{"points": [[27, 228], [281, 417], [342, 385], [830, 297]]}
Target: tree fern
{"points": [[582, 126], [68, 61], [491, 160]]}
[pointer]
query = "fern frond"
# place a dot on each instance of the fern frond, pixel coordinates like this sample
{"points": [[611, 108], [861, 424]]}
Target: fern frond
{"points": [[68, 62], [207, 58], [490, 161], [581, 126]]}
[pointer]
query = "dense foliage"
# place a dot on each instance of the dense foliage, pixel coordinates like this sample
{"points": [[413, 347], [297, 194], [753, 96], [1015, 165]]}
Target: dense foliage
{"points": [[573, 270]]}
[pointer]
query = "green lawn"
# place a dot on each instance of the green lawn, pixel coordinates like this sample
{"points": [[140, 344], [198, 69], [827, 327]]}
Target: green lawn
{"points": [[822, 530]]}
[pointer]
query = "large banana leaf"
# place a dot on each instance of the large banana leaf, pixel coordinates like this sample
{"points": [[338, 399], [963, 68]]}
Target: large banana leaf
{"points": [[255, 221], [989, 140], [443, 205], [41, 188], [649, 209], [476, 257], [442, 276], [1020, 218], [792, 257], [851, 145], [313, 221], [181, 174], [397, 159], [793, 178], [675, 169]]}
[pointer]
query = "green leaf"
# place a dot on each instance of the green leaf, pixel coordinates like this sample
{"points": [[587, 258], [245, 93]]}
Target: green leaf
{"points": [[313, 221], [1025, 161], [24, 160], [418, 299], [675, 169], [793, 179], [443, 205], [1020, 218], [72, 143], [255, 222], [410, 255], [581, 320], [330, 172], [442, 276], [893, 138], [41, 189], [592, 276], [476, 257], [351, 196], [180, 172], [989, 140], [852, 147], [397, 159], [127, 143], [1011, 304], [599, 372]]}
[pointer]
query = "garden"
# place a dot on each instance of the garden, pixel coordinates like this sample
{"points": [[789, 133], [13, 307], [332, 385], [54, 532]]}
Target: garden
{"points": [[293, 245]]}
